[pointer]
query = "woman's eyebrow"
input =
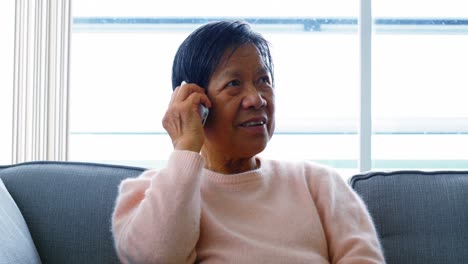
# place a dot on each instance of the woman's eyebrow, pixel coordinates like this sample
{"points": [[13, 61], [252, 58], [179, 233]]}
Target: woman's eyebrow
{"points": [[230, 74], [262, 70]]}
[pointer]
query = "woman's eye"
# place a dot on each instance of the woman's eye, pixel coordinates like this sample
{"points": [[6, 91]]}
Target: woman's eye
{"points": [[233, 83], [265, 79]]}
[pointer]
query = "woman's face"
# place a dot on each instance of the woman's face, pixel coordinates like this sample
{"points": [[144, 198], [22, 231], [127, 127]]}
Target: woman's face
{"points": [[241, 119]]}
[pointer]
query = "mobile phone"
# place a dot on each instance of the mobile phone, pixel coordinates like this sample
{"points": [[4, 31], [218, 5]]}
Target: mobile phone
{"points": [[203, 110], [203, 113]]}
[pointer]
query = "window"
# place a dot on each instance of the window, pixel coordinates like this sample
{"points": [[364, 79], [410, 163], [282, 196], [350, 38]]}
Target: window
{"points": [[121, 68], [122, 54], [420, 85]]}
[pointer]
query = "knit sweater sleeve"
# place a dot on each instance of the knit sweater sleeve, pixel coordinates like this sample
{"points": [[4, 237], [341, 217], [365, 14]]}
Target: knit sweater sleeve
{"points": [[157, 215], [349, 229]]}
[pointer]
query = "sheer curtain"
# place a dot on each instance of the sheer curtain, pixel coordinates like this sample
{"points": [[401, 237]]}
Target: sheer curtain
{"points": [[40, 85], [7, 22]]}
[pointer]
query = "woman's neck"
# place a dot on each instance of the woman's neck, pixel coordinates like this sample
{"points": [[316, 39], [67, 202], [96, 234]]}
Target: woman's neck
{"points": [[226, 165]]}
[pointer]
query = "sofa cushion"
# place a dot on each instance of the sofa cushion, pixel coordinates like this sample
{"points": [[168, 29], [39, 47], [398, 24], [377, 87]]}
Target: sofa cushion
{"points": [[68, 207], [16, 242], [421, 217]]}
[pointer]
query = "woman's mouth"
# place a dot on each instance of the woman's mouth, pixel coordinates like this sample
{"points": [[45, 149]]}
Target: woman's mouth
{"points": [[253, 123]]}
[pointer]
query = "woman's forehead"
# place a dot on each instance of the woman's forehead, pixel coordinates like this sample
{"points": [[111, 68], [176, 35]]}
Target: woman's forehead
{"points": [[236, 58]]}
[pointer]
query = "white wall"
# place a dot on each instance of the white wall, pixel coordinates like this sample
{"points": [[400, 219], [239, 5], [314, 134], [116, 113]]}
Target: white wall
{"points": [[7, 24]]}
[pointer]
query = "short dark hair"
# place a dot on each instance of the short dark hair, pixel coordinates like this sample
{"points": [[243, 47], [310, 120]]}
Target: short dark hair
{"points": [[201, 52]]}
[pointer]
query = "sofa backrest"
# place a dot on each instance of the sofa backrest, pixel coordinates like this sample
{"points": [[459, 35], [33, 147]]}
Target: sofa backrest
{"points": [[67, 207], [421, 217]]}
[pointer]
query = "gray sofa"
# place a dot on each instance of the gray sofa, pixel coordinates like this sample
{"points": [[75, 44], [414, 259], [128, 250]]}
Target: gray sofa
{"points": [[66, 207], [421, 217]]}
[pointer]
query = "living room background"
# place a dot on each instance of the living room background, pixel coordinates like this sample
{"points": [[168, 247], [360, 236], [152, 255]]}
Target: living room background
{"points": [[120, 62]]}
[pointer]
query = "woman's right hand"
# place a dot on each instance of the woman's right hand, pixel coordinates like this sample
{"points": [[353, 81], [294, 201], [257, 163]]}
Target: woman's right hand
{"points": [[182, 119]]}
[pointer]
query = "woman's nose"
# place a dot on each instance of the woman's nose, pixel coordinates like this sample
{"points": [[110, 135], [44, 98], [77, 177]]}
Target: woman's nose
{"points": [[253, 99]]}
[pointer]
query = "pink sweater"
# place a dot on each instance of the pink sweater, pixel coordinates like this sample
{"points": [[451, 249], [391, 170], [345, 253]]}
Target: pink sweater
{"points": [[284, 212]]}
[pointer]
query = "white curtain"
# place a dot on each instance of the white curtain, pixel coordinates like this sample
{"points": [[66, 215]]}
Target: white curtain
{"points": [[41, 72]]}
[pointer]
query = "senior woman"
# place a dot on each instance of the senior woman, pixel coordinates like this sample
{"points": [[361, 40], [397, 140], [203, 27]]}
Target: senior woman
{"points": [[216, 201]]}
